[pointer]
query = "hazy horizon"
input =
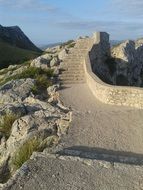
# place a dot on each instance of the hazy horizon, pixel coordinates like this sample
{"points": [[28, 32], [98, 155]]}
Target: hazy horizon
{"points": [[52, 21]]}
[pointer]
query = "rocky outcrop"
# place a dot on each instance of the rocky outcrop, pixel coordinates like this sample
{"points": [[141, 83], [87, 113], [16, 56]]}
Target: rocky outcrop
{"points": [[128, 63], [36, 116], [121, 65], [16, 90]]}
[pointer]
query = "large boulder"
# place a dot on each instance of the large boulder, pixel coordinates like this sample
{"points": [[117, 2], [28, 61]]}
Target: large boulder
{"points": [[63, 54], [42, 61]]}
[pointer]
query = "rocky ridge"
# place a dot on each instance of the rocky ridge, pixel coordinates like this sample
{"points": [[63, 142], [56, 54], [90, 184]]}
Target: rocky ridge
{"points": [[36, 116]]}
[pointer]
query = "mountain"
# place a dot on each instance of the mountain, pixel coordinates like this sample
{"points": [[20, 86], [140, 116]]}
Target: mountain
{"points": [[15, 36], [15, 47]]}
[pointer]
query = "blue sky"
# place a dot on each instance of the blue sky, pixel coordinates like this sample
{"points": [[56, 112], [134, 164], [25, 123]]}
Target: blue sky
{"points": [[50, 21]]}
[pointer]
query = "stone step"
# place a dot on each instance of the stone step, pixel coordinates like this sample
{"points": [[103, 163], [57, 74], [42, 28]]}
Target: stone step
{"points": [[73, 72], [73, 63], [73, 82], [70, 61], [76, 55], [72, 76], [80, 52], [74, 67], [79, 49]]}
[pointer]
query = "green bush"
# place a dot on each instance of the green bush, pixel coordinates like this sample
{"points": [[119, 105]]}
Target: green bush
{"points": [[6, 123], [42, 83]]}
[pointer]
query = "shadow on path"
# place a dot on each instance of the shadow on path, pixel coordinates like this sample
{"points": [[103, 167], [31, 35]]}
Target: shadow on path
{"points": [[103, 154]]}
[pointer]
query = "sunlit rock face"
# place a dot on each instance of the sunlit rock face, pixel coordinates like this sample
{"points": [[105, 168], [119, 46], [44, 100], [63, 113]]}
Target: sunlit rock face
{"points": [[120, 65], [128, 61]]}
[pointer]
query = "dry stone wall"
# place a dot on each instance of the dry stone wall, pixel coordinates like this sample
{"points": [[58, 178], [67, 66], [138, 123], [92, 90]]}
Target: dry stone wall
{"points": [[109, 94]]}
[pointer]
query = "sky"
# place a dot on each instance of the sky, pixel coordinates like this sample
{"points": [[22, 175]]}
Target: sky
{"points": [[51, 21]]}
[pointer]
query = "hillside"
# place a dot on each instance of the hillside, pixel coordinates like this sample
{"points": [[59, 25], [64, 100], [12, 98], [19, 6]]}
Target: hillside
{"points": [[15, 36], [13, 55], [15, 47]]}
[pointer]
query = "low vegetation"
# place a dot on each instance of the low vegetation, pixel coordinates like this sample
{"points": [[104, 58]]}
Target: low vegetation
{"points": [[69, 44], [6, 123], [41, 76], [42, 83], [33, 145], [10, 55]]}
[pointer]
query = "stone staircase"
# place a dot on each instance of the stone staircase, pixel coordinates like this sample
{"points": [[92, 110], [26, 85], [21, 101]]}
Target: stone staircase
{"points": [[72, 66]]}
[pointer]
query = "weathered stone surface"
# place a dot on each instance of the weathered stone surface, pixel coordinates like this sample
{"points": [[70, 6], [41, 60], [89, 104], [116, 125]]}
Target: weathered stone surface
{"points": [[15, 108], [52, 89], [16, 91], [54, 62], [42, 62], [129, 64], [53, 50], [35, 117], [63, 54]]}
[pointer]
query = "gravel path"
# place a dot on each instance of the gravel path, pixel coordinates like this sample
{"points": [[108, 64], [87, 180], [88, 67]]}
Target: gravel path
{"points": [[99, 125]]}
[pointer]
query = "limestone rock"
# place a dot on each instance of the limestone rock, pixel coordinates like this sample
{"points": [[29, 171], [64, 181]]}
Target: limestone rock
{"points": [[41, 62], [52, 89], [15, 108], [63, 54], [129, 63], [54, 62], [16, 91], [56, 71]]}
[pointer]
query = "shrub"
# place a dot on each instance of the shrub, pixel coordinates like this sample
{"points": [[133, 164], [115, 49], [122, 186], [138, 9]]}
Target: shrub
{"points": [[6, 123], [33, 145], [68, 43], [42, 83], [71, 45], [30, 72]]}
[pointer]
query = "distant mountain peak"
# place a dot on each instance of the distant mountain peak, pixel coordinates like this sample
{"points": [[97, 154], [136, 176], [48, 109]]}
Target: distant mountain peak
{"points": [[16, 37]]}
